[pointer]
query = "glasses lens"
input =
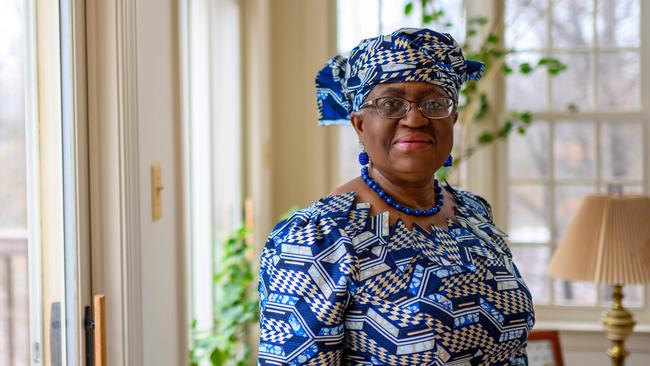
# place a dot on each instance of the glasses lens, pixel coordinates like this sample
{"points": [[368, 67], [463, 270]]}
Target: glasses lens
{"points": [[392, 107], [436, 107]]}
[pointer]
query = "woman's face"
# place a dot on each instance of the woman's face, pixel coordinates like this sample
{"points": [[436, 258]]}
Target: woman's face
{"points": [[412, 147]]}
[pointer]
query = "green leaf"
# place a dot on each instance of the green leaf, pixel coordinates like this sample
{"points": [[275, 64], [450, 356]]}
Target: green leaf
{"points": [[218, 357], [408, 8], [427, 18], [471, 32], [521, 130], [505, 129], [525, 68], [492, 39], [506, 69], [485, 138], [526, 117]]}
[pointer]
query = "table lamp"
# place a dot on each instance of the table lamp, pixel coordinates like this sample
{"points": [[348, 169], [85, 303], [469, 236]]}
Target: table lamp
{"points": [[608, 242]]}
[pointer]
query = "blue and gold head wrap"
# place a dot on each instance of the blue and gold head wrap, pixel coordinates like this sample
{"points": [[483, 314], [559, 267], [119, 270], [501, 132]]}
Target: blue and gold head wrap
{"points": [[408, 54]]}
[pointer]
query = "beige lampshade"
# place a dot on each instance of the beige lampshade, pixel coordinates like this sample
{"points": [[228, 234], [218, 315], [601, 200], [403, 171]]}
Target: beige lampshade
{"points": [[607, 242]]}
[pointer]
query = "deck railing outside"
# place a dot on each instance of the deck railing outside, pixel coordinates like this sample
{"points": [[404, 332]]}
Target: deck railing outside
{"points": [[14, 298]]}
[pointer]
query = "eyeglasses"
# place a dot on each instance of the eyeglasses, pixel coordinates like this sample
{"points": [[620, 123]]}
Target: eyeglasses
{"points": [[396, 107]]}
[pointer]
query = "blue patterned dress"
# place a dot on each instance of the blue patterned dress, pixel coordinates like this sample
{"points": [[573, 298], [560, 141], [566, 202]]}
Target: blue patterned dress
{"points": [[339, 286]]}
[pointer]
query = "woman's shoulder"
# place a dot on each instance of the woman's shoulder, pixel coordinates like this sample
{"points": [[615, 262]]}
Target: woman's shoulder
{"points": [[471, 200], [324, 221]]}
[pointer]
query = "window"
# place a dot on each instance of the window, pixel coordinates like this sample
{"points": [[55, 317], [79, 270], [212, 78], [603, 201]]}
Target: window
{"points": [[588, 132], [14, 322], [212, 142]]}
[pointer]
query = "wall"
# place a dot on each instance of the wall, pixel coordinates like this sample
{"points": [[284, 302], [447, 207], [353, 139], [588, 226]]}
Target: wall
{"points": [[291, 148], [134, 121], [589, 348], [164, 324]]}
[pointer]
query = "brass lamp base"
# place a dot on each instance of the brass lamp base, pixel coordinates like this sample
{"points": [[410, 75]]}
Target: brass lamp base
{"points": [[618, 324]]}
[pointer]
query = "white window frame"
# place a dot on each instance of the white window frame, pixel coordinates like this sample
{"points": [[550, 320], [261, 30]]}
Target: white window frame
{"points": [[212, 139]]}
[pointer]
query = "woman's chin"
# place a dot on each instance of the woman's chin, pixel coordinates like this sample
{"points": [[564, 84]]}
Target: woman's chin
{"points": [[420, 168]]}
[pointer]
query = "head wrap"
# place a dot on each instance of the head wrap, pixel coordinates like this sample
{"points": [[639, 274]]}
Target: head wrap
{"points": [[408, 54]]}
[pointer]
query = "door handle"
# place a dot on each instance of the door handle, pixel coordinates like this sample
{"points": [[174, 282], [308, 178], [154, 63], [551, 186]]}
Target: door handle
{"points": [[100, 329]]}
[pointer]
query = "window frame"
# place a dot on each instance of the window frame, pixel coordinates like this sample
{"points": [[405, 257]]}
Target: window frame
{"points": [[211, 55]]}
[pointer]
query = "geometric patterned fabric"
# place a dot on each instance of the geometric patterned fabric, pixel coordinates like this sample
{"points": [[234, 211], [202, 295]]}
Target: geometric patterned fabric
{"points": [[339, 286], [408, 54]]}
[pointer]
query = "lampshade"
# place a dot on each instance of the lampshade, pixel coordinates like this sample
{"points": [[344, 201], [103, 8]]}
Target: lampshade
{"points": [[607, 242]]}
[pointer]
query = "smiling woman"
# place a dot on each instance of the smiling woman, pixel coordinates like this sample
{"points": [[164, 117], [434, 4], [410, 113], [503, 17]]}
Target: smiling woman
{"points": [[394, 267]]}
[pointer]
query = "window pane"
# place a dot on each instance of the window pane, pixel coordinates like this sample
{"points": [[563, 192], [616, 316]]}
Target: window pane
{"points": [[531, 262], [531, 158], [622, 151], [526, 92], [632, 295], [14, 298], [526, 24], [617, 23], [572, 90], [574, 293], [618, 85], [572, 23], [575, 150], [528, 213], [567, 201], [357, 19], [12, 117], [393, 18]]}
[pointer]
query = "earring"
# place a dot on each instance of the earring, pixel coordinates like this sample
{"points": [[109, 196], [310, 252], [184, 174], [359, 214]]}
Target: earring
{"points": [[449, 162], [363, 156]]}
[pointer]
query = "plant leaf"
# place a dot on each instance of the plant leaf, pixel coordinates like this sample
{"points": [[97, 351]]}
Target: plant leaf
{"points": [[525, 68], [408, 8]]}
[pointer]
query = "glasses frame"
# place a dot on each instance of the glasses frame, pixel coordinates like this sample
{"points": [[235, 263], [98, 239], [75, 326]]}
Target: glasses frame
{"points": [[373, 103]]}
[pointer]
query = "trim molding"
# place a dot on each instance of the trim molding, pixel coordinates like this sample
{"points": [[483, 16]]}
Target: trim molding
{"points": [[114, 180], [130, 187]]}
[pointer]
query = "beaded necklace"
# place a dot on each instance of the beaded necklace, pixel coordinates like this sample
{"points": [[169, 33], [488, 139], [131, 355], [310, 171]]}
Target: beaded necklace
{"points": [[400, 207]]}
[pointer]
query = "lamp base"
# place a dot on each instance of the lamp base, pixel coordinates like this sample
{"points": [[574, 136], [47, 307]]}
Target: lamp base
{"points": [[618, 324]]}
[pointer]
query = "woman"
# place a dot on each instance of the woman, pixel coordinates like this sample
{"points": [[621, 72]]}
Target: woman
{"points": [[392, 269]]}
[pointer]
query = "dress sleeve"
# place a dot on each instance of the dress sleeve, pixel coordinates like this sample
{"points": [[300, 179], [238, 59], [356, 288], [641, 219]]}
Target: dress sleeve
{"points": [[520, 358], [307, 277]]}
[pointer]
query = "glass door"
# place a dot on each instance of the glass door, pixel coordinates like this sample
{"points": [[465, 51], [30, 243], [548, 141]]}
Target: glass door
{"points": [[44, 266]]}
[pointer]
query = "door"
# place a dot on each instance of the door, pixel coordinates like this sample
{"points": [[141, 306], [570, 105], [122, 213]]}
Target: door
{"points": [[44, 245]]}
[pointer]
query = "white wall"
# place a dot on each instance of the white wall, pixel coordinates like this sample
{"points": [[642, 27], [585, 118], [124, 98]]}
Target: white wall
{"points": [[134, 121], [159, 140], [589, 348]]}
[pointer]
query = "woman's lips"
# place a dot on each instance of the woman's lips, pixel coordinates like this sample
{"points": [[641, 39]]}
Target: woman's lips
{"points": [[414, 142]]}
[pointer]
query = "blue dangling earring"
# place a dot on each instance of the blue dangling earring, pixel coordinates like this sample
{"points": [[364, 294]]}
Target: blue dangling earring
{"points": [[363, 157], [449, 162]]}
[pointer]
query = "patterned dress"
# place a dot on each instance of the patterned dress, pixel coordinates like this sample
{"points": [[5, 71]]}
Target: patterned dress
{"points": [[339, 286]]}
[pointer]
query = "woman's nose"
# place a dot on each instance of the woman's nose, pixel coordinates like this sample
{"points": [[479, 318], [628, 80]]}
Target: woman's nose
{"points": [[414, 117]]}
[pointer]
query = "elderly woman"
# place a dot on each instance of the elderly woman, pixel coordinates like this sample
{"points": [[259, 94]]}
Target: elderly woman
{"points": [[393, 267]]}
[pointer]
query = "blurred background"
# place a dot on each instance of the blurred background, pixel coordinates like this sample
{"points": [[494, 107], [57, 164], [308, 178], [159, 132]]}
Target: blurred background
{"points": [[220, 95]]}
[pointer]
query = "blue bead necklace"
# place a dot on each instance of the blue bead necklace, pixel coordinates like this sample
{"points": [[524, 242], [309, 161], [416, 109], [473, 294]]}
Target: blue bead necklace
{"points": [[399, 207]]}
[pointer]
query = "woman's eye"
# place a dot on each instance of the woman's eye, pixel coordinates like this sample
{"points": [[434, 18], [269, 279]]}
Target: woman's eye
{"points": [[433, 105], [391, 104]]}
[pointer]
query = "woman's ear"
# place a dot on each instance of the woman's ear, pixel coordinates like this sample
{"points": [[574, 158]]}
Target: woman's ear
{"points": [[455, 117], [356, 120]]}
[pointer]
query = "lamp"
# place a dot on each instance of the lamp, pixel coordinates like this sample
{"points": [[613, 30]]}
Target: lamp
{"points": [[608, 242]]}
